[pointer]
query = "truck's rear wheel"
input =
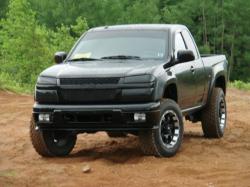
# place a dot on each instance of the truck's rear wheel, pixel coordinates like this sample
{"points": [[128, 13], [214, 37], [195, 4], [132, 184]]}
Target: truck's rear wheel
{"points": [[51, 143], [165, 140], [214, 116]]}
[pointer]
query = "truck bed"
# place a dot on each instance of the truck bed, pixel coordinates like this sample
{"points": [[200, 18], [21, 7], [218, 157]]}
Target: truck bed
{"points": [[212, 59]]}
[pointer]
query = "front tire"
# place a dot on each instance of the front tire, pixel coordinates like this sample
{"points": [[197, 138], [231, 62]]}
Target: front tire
{"points": [[214, 116], [51, 143], [166, 139]]}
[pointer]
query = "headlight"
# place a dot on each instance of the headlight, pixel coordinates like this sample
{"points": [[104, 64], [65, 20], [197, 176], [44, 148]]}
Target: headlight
{"points": [[46, 80], [139, 79]]}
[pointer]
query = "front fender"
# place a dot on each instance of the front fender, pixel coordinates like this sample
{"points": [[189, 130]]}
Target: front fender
{"points": [[163, 82]]}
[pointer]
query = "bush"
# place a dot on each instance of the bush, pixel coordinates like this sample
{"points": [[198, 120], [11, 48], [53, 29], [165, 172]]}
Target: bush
{"points": [[8, 83], [27, 48], [240, 85]]}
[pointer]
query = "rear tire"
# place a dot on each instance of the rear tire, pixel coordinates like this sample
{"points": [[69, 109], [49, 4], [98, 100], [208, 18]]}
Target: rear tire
{"points": [[214, 116], [51, 143], [166, 139]]}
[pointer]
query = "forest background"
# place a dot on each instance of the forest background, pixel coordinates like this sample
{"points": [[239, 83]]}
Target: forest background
{"points": [[31, 31]]}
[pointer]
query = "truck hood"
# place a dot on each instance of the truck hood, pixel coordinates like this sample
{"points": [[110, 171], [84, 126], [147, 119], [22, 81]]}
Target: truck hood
{"points": [[111, 68]]}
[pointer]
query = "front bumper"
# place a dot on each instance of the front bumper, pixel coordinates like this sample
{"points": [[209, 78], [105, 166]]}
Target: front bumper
{"points": [[92, 118]]}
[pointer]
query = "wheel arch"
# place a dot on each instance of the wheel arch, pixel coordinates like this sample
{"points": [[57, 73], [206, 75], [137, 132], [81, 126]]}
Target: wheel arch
{"points": [[170, 91], [220, 82]]}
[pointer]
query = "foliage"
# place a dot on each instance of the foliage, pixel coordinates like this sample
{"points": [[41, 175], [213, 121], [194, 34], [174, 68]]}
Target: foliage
{"points": [[136, 12], [240, 85], [3, 5], [8, 83], [219, 26], [32, 30], [22, 38], [27, 47]]}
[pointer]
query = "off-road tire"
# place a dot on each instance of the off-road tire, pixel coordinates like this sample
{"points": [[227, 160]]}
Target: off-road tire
{"points": [[44, 145], [151, 141], [210, 118]]}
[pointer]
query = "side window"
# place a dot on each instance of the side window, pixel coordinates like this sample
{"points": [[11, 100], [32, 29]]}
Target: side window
{"points": [[179, 43], [190, 42]]}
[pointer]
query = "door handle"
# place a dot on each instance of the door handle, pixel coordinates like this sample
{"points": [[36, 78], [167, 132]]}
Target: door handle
{"points": [[192, 69]]}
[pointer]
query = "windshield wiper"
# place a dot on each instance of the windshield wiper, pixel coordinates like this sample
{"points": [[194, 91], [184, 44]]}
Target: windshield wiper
{"points": [[124, 57], [84, 59]]}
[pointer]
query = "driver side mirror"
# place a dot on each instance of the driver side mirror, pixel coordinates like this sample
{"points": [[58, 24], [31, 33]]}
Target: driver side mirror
{"points": [[59, 57], [185, 56]]}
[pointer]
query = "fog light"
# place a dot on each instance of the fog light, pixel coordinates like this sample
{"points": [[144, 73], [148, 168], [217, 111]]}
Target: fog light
{"points": [[44, 117], [140, 117]]}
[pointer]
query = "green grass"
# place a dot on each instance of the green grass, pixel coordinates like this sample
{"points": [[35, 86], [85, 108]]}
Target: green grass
{"points": [[240, 85], [8, 83]]}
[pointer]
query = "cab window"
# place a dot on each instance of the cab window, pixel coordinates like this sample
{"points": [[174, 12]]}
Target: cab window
{"points": [[190, 43], [179, 43]]}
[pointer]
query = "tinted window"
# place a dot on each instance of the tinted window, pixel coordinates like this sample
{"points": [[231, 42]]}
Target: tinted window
{"points": [[143, 43], [190, 43], [179, 43]]}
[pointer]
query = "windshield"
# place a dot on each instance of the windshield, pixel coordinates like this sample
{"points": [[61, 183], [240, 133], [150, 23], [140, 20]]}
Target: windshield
{"points": [[128, 44]]}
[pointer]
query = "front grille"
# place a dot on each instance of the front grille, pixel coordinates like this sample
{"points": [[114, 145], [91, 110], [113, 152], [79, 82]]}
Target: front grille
{"points": [[87, 118], [89, 96], [82, 81]]}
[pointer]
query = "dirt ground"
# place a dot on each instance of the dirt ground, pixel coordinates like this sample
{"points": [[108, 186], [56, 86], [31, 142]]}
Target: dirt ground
{"points": [[119, 162]]}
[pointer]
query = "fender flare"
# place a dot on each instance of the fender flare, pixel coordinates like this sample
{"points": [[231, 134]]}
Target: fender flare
{"points": [[169, 82], [213, 82]]}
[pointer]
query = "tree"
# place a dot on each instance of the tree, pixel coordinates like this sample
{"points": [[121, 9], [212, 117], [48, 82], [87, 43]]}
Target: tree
{"points": [[32, 30], [27, 47], [216, 26], [237, 38], [3, 7], [141, 12], [23, 44]]}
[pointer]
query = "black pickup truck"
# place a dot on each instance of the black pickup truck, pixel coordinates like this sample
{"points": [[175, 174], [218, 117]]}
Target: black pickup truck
{"points": [[130, 79]]}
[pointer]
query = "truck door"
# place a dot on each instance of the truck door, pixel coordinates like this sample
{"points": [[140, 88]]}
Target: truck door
{"points": [[184, 75], [198, 69]]}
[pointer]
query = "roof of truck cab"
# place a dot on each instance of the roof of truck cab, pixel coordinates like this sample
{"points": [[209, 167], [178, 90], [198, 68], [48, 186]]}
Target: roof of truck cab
{"points": [[140, 27]]}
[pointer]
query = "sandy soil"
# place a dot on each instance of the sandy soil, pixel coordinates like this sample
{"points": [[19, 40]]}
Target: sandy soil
{"points": [[119, 162]]}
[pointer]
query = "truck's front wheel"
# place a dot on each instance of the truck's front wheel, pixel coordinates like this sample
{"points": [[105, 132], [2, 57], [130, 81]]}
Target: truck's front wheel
{"points": [[51, 143], [166, 139]]}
